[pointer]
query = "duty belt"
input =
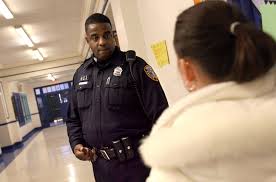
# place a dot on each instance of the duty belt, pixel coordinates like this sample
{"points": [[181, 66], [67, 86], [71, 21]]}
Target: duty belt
{"points": [[122, 150], [107, 154]]}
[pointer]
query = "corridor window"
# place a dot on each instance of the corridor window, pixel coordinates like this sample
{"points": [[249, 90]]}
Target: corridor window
{"points": [[53, 88], [44, 90], [66, 85], [37, 91], [61, 86], [57, 87], [49, 89]]}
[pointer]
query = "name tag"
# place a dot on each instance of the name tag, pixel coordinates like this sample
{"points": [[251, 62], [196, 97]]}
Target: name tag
{"points": [[83, 83]]}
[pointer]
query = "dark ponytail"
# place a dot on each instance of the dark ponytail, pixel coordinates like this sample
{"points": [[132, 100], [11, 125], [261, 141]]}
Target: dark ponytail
{"points": [[254, 53], [203, 33]]}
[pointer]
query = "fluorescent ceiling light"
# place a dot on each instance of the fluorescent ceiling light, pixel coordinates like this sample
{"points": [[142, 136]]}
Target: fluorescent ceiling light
{"points": [[51, 77], [5, 10], [24, 36], [38, 55]]}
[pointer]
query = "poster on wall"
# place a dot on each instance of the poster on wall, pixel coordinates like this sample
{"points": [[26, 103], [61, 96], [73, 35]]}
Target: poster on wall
{"points": [[267, 9], [268, 12], [261, 12], [160, 52]]}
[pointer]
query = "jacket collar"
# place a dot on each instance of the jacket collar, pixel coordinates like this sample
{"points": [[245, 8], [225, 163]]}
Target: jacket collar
{"points": [[223, 91], [115, 59]]}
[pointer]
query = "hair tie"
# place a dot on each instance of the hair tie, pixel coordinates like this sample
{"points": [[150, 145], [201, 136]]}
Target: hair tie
{"points": [[233, 26]]}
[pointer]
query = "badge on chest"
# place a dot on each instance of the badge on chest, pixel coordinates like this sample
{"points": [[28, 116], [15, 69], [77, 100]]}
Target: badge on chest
{"points": [[117, 71]]}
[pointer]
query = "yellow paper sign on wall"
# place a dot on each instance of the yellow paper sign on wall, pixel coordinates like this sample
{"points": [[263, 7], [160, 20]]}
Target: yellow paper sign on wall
{"points": [[161, 53]]}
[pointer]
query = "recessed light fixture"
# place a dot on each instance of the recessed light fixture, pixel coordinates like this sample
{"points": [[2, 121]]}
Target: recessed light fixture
{"points": [[5, 10], [51, 77], [22, 33], [37, 54]]}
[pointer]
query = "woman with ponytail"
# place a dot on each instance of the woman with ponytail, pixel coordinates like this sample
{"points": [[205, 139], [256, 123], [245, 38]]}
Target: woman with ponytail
{"points": [[225, 129]]}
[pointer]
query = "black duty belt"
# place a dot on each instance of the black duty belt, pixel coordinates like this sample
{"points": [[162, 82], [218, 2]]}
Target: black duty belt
{"points": [[107, 154], [123, 149]]}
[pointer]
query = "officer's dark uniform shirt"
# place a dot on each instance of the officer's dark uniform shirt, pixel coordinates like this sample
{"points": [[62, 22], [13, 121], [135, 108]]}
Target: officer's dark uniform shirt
{"points": [[104, 105]]}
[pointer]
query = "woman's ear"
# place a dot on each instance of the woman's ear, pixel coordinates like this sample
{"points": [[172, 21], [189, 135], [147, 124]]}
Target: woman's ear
{"points": [[188, 73]]}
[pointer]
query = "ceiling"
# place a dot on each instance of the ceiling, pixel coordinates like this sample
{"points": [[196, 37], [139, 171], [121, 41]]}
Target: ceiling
{"points": [[55, 27]]}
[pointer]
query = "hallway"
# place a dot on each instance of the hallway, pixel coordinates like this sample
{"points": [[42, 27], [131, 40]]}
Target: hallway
{"points": [[48, 157]]}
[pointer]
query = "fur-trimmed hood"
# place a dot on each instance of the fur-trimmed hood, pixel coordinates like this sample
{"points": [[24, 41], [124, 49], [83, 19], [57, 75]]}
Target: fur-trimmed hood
{"points": [[223, 132]]}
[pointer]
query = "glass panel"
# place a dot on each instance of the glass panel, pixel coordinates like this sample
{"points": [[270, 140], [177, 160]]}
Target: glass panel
{"points": [[53, 88], [49, 89], [61, 86], [37, 91], [57, 87], [44, 89], [66, 85]]}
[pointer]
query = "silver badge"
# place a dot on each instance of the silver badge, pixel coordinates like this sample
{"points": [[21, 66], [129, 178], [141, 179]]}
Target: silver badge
{"points": [[117, 71]]}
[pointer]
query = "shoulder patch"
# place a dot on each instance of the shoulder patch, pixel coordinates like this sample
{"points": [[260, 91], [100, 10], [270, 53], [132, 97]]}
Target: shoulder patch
{"points": [[150, 73]]}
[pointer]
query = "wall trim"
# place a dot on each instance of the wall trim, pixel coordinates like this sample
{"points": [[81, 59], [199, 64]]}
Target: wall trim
{"points": [[18, 147], [20, 144], [10, 122]]}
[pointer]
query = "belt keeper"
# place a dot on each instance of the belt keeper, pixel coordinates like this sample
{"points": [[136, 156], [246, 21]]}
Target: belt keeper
{"points": [[119, 150], [128, 148]]}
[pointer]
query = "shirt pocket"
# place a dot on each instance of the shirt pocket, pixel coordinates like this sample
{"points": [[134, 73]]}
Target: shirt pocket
{"points": [[120, 93], [84, 95], [115, 93]]}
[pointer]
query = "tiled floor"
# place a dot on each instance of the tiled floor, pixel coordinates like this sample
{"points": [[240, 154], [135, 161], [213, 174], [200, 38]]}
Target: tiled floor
{"points": [[10, 154], [48, 157]]}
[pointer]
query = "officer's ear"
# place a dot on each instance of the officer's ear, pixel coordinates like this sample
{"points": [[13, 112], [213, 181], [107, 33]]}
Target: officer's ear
{"points": [[86, 38]]}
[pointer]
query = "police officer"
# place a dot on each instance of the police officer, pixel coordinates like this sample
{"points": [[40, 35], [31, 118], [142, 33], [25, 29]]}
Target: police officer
{"points": [[115, 100]]}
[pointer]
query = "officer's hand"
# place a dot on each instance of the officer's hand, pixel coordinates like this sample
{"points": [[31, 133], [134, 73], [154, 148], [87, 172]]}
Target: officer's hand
{"points": [[83, 153]]}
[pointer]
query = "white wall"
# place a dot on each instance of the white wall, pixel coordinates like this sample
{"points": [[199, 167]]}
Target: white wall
{"points": [[128, 25], [5, 138], [158, 21], [12, 132], [141, 23], [2, 105], [13, 128]]}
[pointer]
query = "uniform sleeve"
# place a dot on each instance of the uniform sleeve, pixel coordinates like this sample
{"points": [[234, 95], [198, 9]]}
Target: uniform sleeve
{"points": [[152, 95], [73, 123]]}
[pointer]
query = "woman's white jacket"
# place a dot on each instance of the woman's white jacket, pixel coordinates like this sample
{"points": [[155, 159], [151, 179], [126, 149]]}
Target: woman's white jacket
{"points": [[221, 133]]}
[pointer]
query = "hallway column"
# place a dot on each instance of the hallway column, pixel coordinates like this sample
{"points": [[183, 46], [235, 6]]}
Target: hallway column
{"points": [[128, 26], [9, 127]]}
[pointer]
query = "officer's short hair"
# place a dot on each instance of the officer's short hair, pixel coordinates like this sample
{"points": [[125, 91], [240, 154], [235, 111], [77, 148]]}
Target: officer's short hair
{"points": [[96, 18]]}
